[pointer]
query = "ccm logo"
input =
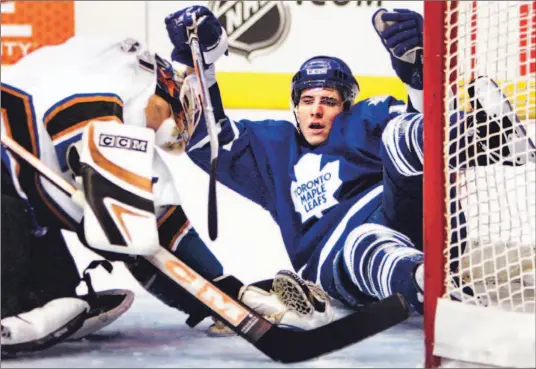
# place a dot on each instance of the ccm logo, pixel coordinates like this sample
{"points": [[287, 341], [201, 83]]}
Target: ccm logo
{"points": [[211, 296], [122, 142]]}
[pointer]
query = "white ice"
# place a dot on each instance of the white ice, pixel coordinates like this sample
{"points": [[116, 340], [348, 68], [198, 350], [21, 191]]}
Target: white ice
{"points": [[249, 245]]}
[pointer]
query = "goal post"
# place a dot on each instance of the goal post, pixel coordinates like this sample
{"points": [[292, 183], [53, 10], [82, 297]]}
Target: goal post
{"points": [[479, 222], [434, 190]]}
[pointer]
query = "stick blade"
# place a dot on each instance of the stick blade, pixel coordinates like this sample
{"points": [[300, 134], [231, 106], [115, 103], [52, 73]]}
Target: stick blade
{"points": [[294, 346]]}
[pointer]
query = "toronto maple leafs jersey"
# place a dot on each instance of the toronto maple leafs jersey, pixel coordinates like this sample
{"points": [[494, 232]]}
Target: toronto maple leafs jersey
{"points": [[307, 190], [50, 95]]}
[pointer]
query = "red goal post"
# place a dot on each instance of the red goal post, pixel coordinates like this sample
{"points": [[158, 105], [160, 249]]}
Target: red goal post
{"points": [[464, 40]]}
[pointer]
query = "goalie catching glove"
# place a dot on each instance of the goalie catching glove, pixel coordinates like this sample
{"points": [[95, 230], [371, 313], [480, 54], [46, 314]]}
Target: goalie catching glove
{"points": [[287, 301]]}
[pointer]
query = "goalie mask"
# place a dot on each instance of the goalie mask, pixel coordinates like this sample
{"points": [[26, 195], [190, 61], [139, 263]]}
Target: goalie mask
{"points": [[181, 93]]}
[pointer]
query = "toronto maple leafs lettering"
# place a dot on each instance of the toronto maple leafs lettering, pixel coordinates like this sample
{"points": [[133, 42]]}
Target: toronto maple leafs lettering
{"points": [[308, 192], [313, 191]]}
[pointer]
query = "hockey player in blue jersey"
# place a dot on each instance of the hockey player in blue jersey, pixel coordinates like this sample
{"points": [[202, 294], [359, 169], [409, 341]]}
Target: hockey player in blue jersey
{"points": [[345, 184]]}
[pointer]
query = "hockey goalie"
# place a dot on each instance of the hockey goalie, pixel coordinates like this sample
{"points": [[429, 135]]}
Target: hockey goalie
{"points": [[101, 113]]}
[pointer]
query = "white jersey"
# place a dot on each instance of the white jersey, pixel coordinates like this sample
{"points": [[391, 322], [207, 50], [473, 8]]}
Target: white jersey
{"points": [[49, 96]]}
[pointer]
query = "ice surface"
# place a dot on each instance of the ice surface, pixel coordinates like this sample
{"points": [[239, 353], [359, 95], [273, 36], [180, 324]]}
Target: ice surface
{"points": [[249, 246]]}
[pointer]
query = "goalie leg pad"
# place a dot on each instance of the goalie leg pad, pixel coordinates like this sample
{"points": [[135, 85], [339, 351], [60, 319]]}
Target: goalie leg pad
{"points": [[44, 326], [105, 308], [117, 176]]}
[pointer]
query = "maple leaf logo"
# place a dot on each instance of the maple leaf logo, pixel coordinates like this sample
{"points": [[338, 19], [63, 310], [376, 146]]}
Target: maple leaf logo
{"points": [[314, 188]]}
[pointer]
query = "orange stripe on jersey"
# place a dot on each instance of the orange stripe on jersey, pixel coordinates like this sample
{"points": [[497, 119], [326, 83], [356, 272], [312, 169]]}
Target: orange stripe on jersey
{"points": [[7, 132], [13, 92], [166, 215], [20, 117], [29, 114], [144, 184], [78, 100], [179, 234], [33, 137], [82, 125], [6, 123]]}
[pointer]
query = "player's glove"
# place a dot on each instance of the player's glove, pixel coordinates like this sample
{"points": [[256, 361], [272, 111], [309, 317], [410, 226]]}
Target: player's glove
{"points": [[401, 32], [212, 37]]}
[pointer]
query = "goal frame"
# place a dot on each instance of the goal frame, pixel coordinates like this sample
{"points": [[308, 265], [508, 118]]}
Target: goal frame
{"points": [[437, 46], [434, 193]]}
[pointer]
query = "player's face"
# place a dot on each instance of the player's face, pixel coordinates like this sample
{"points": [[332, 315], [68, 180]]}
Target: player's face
{"points": [[316, 112]]}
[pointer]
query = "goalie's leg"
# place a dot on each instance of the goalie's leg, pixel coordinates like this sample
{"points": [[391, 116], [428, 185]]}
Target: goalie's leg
{"points": [[39, 304]]}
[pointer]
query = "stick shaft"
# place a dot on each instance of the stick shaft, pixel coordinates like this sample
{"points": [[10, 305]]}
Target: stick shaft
{"points": [[210, 120], [38, 165]]}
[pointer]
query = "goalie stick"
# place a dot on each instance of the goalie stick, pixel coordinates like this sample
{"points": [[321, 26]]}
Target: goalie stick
{"points": [[279, 344], [208, 112]]}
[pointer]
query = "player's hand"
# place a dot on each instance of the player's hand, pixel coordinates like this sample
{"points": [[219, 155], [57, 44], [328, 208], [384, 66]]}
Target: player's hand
{"points": [[404, 31], [401, 32], [212, 38]]}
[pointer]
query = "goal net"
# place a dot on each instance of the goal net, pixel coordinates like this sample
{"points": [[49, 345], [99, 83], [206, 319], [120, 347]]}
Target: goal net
{"points": [[480, 204]]}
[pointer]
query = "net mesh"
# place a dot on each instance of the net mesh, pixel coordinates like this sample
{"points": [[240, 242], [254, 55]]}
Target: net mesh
{"points": [[491, 259]]}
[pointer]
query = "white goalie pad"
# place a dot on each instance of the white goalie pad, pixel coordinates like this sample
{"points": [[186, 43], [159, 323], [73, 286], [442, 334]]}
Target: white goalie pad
{"points": [[119, 208]]}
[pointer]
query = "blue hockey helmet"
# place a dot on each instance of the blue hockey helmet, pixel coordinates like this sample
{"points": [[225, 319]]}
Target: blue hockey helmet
{"points": [[325, 71]]}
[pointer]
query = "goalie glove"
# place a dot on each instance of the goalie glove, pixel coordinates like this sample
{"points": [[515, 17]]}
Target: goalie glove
{"points": [[287, 301], [116, 165]]}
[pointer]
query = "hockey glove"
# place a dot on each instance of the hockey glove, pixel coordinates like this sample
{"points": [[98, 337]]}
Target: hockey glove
{"points": [[212, 37], [401, 32]]}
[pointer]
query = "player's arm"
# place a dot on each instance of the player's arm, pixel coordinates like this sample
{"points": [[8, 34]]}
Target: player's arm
{"points": [[238, 164], [212, 41], [401, 32]]}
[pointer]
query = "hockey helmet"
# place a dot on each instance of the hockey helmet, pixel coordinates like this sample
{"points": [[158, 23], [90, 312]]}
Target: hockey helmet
{"points": [[325, 71]]}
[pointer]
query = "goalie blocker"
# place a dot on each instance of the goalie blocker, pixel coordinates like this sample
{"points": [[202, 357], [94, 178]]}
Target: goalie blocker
{"points": [[116, 165]]}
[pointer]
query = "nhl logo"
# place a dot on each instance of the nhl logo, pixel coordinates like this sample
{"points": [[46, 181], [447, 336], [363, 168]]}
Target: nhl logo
{"points": [[252, 25]]}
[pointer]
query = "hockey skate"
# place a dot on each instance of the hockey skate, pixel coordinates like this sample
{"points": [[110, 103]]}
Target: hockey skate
{"points": [[500, 136]]}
